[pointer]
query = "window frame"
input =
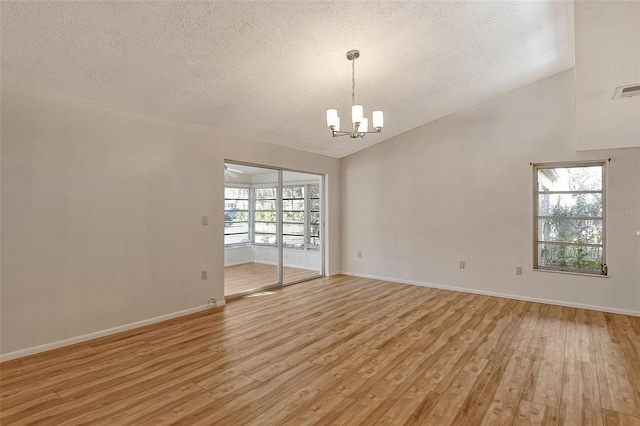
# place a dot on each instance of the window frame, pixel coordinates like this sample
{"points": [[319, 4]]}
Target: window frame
{"points": [[254, 211], [248, 220], [306, 223], [603, 272], [304, 215], [308, 213]]}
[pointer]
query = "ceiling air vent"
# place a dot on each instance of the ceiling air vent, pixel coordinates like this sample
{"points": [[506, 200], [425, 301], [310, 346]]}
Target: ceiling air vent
{"points": [[627, 91]]}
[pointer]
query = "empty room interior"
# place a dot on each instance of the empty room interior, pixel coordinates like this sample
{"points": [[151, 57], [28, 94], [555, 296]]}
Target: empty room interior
{"points": [[431, 213]]}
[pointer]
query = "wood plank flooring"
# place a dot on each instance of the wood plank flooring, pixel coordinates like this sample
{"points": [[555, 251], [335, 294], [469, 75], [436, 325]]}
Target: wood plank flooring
{"points": [[343, 351], [251, 276]]}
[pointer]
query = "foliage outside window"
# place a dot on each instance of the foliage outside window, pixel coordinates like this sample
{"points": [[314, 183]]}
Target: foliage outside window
{"points": [[236, 215], [569, 217]]}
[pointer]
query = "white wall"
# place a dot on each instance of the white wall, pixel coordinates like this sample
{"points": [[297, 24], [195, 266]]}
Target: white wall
{"points": [[101, 215], [238, 255], [461, 189], [607, 57], [292, 258]]}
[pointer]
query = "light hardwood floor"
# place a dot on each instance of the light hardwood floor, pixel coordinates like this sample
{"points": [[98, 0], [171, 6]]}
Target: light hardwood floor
{"points": [[250, 276], [343, 351]]}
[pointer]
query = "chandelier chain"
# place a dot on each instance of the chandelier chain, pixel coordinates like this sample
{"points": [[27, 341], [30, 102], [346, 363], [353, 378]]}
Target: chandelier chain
{"points": [[353, 81]]}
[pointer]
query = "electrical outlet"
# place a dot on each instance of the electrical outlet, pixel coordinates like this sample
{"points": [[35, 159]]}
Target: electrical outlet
{"points": [[205, 220], [359, 254], [204, 274], [462, 264], [518, 270]]}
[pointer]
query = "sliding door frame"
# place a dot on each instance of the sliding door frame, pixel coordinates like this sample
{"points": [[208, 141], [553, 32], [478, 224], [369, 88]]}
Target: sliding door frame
{"points": [[279, 227]]}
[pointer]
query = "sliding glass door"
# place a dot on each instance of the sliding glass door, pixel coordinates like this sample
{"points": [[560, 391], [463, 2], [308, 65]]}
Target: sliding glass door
{"points": [[250, 229], [273, 228], [301, 222]]}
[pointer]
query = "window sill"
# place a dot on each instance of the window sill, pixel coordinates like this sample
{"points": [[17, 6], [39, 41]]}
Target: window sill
{"points": [[584, 274]]}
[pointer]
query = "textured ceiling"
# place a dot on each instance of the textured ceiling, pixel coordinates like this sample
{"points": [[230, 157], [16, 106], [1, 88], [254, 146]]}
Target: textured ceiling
{"points": [[607, 57], [269, 70]]}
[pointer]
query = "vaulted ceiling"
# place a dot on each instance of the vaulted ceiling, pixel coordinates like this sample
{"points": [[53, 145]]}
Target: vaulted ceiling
{"points": [[607, 57], [269, 70]]}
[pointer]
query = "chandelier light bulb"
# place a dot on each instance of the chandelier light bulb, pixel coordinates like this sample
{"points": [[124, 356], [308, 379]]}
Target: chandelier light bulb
{"points": [[356, 113], [332, 117], [364, 125], [378, 120]]}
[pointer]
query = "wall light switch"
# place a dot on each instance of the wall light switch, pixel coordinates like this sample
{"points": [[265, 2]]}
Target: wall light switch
{"points": [[205, 220]]}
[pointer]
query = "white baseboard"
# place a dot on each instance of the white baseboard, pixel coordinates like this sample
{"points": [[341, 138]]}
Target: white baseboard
{"points": [[78, 339], [503, 295]]}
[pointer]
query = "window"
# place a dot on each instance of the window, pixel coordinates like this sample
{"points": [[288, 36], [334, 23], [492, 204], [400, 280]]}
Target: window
{"points": [[301, 216], [250, 216], [265, 216], [236, 215], [569, 203], [314, 215], [293, 216]]}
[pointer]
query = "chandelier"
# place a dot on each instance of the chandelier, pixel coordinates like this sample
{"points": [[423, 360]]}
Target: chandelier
{"points": [[360, 123]]}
